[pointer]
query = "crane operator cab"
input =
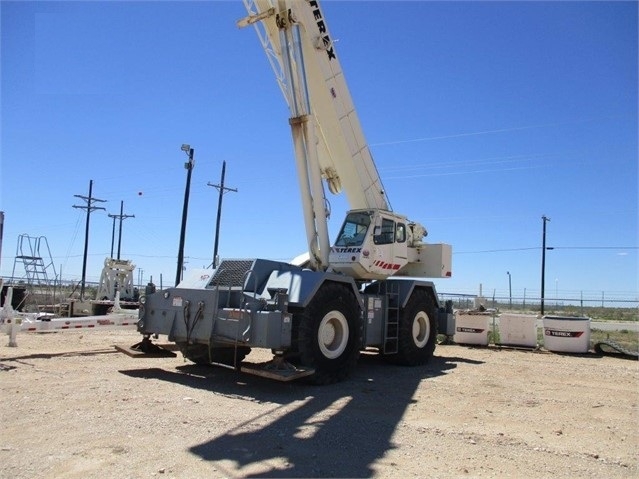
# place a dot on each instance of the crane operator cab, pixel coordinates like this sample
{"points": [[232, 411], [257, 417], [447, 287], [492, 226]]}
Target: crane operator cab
{"points": [[372, 244]]}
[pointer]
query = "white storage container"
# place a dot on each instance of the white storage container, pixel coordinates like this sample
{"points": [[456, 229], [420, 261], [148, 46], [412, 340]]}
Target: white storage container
{"points": [[566, 334], [472, 328], [518, 330]]}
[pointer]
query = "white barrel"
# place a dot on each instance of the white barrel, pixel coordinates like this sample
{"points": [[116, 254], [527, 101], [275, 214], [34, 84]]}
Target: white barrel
{"points": [[518, 330], [471, 328], [566, 334]]}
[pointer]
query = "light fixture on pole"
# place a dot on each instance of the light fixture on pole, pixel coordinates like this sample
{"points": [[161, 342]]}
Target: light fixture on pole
{"points": [[189, 167], [510, 291]]}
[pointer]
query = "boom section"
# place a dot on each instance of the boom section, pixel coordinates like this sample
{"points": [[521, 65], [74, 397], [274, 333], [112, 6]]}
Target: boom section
{"points": [[343, 157]]}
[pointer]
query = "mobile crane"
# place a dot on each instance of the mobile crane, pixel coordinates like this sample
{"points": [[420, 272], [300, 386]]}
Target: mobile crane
{"points": [[364, 292]]}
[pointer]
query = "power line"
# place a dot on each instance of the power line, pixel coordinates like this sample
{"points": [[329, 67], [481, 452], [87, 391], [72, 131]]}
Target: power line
{"points": [[547, 247], [497, 250], [488, 132], [593, 247]]}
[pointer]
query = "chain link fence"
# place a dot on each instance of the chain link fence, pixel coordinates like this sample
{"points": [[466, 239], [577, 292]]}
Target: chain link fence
{"points": [[611, 307]]}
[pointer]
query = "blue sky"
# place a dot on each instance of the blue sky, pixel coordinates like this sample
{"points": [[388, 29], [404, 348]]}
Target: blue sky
{"points": [[481, 116]]}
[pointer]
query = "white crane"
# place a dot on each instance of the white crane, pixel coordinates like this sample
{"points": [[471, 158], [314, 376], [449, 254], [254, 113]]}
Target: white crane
{"points": [[330, 146], [315, 320]]}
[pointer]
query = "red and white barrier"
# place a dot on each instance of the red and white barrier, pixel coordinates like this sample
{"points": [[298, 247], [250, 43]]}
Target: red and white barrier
{"points": [[13, 322]]}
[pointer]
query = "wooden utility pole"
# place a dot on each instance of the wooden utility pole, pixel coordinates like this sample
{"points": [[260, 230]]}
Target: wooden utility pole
{"points": [[89, 207], [121, 217], [222, 189]]}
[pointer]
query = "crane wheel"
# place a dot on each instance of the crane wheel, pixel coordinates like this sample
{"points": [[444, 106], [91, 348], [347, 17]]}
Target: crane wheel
{"points": [[417, 332], [204, 354], [330, 334]]}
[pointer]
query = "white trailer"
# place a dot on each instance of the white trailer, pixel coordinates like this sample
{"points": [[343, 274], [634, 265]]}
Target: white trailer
{"points": [[13, 322]]}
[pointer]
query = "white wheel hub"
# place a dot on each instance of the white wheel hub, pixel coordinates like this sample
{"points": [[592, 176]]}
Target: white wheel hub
{"points": [[421, 329], [332, 334]]}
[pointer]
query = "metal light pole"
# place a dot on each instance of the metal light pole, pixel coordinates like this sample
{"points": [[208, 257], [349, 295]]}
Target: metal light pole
{"points": [[510, 291], [543, 261], [189, 167]]}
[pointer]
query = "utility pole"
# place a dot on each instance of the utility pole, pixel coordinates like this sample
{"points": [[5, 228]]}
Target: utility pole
{"points": [[121, 216], [112, 234], [543, 261], [510, 291], [222, 189], [189, 168], [89, 207]]}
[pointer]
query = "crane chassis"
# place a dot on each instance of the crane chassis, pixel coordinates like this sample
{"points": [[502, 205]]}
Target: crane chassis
{"points": [[315, 323]]}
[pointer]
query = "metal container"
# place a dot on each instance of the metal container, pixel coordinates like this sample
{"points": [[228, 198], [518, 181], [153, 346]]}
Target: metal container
{"points": [[566, 334], [518, 330], [472, 328]]}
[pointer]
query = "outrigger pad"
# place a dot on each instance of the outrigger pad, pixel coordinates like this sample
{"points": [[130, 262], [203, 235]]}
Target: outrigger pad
{"points": [[277, 369], [146, 349]]}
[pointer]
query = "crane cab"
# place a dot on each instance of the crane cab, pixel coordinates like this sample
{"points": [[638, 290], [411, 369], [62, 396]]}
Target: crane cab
{"points": [[372, 244]]}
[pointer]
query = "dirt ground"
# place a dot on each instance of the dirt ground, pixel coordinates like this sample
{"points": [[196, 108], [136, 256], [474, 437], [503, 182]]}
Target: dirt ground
{"points": [[73, 407]]}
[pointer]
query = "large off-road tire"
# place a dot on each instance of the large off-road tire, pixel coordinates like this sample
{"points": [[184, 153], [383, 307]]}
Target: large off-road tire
{"points": [[417, 334], [205, 354], [329, 334]]}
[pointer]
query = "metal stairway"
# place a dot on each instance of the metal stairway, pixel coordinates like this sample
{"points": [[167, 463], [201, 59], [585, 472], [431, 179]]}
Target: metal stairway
{"points": [[36, 271]]}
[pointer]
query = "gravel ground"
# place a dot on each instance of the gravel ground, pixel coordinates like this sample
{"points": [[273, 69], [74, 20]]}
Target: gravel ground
{"points": [[75, 408]]}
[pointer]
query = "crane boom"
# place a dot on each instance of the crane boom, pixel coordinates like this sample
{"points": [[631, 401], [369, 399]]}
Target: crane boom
{"points": [[343, 155], [330, 149]]}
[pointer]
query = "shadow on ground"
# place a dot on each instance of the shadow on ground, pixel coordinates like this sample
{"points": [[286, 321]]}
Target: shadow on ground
{"points": [[93, 352], [339, 430]]}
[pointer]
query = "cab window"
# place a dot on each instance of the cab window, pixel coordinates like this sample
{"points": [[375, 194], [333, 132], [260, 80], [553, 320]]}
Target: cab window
{"points": [[400, 233], [354, 230], [387, 233]]}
